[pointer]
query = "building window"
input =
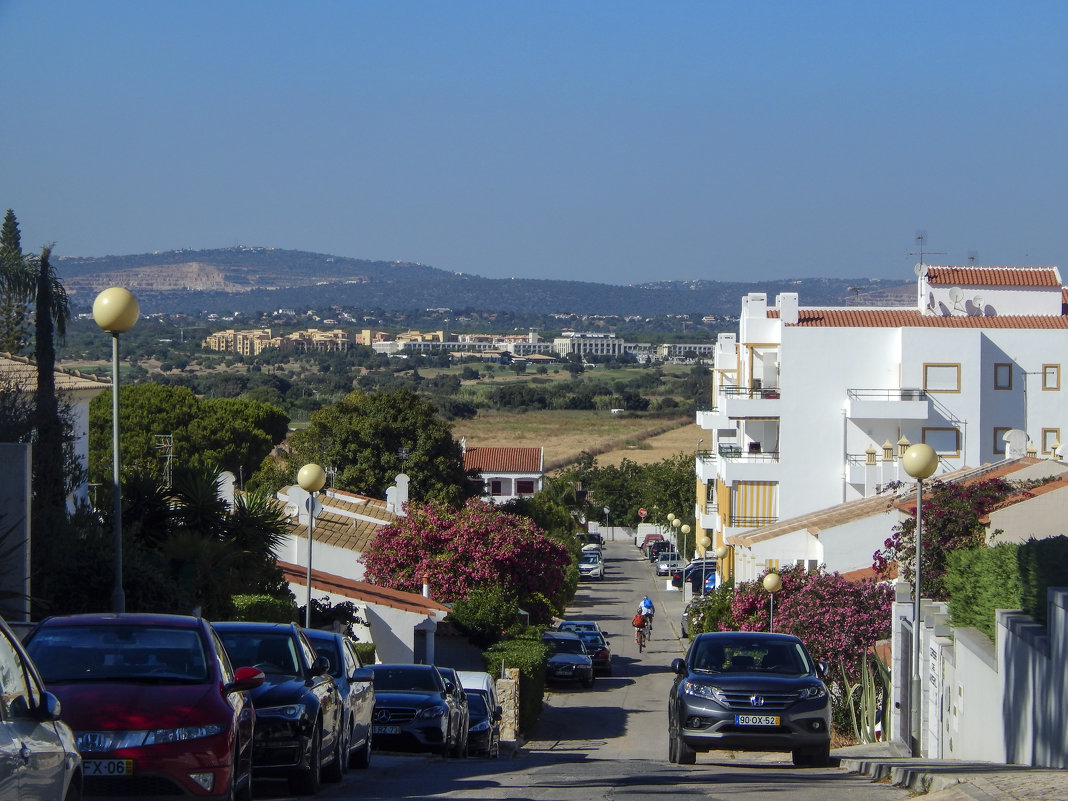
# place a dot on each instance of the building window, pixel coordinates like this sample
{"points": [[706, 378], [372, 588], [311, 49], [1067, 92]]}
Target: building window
{"points": [[1051, 437], [941, 377], [495, 487], [524, 486], [945, 441], [1002, 376], [999, 439], [1051, 376]]}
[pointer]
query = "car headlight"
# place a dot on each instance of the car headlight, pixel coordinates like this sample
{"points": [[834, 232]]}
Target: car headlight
{"points": [[98, 742], [159, 736], [812, 691], [288, 712], [701, 690], [432, 712], [482, 725]]}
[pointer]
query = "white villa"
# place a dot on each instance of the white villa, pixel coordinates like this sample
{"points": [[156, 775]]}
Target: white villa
{"points": [[812, 407]]}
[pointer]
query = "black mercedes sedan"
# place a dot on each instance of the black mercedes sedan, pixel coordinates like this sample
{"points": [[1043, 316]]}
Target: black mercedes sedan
{"points": [[749, 691], [415, 711], [298, 707]]}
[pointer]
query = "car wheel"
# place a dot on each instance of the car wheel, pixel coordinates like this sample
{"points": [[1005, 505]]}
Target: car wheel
{"points": [[494, 749], [361, 759], [683, 753], [460, 749], [74, 792], [335, 771], [310, 780]]}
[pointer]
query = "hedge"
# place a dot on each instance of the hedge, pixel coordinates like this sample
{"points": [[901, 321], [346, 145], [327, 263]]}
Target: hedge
{"points": [[530, 656], [1008, 576], [264, 608]]}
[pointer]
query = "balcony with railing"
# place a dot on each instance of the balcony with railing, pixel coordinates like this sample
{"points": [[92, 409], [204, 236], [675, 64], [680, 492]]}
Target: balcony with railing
{"points": [[755, 401], [711, 417], [887, 404], [749, 464], [706, 462]]}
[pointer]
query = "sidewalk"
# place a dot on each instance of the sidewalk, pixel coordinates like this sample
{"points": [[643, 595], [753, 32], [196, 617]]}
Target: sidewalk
{"points": [[952, 780]]}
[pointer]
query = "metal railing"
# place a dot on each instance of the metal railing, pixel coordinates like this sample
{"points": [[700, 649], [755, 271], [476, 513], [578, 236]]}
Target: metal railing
{"points": [[734, 391], [751, 521], [886, 394]]}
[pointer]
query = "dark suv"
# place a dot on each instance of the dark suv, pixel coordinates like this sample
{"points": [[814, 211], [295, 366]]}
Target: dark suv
{"points": [[749, 691]]}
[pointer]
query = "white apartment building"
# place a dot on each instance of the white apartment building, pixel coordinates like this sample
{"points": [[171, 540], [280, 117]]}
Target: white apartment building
{"points": [[812, 407], [598, 344]]}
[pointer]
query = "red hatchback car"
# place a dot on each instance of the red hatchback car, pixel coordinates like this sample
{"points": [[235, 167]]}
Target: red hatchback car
{"points": [[154, 703]]}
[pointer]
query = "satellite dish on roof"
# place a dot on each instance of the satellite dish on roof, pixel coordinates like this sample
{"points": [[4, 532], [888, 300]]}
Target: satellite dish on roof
{"points": [[955, 294], [920, 269]]}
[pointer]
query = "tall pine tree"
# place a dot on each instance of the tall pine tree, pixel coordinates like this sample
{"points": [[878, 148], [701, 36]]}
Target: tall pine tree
{"points": [[15, 287]]}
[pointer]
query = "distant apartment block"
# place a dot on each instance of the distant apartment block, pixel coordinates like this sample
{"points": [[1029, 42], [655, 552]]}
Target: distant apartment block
{"points": [[254, 342]]}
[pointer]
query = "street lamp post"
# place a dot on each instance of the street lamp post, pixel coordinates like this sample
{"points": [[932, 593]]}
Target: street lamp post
{"points": [[311, 478], [608, 521], [772, 583], [920, 461], [115, 310]]}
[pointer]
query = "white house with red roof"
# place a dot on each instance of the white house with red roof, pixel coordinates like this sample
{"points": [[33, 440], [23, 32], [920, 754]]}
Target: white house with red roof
{"points": [[507, 473], [812, 407]]}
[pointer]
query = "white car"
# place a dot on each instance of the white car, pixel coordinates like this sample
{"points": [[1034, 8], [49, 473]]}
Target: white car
{"points": [[591, 565], [667, 562]]}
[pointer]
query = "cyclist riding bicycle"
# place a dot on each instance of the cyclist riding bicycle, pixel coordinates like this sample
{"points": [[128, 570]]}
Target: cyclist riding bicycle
{"points": [[644, 615]]}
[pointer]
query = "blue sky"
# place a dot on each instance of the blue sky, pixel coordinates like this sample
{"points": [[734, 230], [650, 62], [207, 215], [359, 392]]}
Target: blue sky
{"points": [[610, 141]]}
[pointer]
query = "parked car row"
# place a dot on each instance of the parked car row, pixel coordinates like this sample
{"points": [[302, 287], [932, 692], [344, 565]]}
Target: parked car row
{"points": [[140, 705]]}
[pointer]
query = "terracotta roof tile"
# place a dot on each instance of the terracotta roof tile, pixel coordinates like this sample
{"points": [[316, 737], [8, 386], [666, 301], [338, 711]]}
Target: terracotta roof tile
{"points": [[993, 276], [504, 460], [363, 591], [906, 318], [21, 372]]}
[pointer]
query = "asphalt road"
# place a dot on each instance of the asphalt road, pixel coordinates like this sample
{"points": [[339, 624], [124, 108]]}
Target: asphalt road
{"points": [[608, 742]]}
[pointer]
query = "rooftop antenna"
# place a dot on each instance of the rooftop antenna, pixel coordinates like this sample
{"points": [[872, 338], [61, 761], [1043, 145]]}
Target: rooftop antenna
{"points": [[921, 243], [165, 445]]}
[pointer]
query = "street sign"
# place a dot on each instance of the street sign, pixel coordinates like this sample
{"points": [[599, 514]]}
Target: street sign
{"points": [[642, 513]]}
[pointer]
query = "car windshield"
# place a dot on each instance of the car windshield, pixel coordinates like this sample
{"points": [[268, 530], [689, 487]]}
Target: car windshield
{"points": [[590, 559], [405, 679], [273, 652], [562, 646], [158, 654], [592, 639], [577, 626], [749, 656]]}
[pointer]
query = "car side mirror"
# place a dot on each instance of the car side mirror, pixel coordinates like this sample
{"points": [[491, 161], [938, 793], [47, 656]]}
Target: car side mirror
{"points": [[321, 665], [363, 674], [49, 708], [498, 713], [245, 678], [450, 688], [821, 669], [678, 665]]}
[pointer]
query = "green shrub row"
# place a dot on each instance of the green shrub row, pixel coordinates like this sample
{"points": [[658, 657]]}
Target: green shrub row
{"points": [[366, 650], [1007, 576], [530, 656], [264, 608]]}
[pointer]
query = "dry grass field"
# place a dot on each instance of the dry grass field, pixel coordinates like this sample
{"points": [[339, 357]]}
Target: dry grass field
{"points": [[565, 435]]}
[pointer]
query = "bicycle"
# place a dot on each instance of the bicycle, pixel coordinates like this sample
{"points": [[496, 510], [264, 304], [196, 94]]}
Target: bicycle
{"points": [[639, 637]]}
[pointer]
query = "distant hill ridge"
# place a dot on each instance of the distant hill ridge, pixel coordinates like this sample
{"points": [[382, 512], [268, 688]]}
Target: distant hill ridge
{"points": [[259, 278]]}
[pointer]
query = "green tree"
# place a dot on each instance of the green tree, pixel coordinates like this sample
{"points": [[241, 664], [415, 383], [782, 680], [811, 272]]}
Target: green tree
{"points": [[52, 462], [370, 437], [15, 287], [233, 434]]}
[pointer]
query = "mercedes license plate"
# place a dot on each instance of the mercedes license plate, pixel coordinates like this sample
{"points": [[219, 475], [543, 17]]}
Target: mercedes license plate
{"points": [[756, 720], [385, 729], [108, 767]]}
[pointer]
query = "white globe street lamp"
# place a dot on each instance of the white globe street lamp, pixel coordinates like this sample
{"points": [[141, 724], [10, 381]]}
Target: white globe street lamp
{"points": [[115, 310], [311, 479], [772, 583], [920, 461]]}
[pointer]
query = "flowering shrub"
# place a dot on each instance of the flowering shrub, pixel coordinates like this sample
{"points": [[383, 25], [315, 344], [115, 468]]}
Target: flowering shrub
{"points": [[951, 515], [474, 546], [839, 620]]}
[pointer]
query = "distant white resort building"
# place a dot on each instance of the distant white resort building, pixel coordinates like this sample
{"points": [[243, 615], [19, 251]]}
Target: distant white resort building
{"points": [[812, 407]]}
